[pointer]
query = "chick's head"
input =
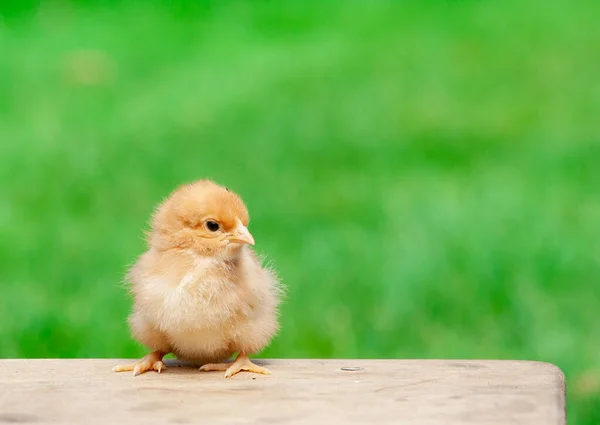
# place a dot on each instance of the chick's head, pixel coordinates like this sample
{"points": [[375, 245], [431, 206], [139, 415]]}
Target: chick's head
{"points": [[204, 217]]}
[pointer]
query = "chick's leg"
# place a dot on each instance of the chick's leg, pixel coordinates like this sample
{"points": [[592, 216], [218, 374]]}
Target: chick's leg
{"points": [[242, 362], [152, 361]]}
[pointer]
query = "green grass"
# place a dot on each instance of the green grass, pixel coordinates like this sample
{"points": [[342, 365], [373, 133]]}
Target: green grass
{"points": [[425, 176]]}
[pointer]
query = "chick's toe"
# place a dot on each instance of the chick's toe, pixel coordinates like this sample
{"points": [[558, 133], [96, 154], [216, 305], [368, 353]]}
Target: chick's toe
{"points": [[242, 362], [215, 367], [152, 361]]}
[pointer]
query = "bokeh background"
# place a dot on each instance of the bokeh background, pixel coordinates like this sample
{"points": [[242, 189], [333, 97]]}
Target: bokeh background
{"points": [[424, 175]]}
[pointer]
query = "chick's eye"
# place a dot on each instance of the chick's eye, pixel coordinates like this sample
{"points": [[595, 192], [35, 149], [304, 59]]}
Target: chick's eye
{"points": [[213, 226]]}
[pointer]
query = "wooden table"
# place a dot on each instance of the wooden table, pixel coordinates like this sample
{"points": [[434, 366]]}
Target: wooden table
{"points": [[298, 392]]}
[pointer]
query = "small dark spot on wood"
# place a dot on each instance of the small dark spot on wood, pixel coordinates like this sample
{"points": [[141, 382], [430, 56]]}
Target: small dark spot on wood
{"points": [[17, 418], [254, 379], [352, 369]]}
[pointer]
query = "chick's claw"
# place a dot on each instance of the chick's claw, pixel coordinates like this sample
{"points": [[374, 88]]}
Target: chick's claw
{"points": [[140, 367], [152, 361], [240, 364]]}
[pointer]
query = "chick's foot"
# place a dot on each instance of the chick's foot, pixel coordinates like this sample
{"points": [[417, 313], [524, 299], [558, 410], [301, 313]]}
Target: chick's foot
{"points": [[152, 361], [242, 362]]}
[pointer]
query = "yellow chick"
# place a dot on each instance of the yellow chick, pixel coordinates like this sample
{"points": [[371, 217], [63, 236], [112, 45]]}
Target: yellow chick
{"points": [[200, 292]]}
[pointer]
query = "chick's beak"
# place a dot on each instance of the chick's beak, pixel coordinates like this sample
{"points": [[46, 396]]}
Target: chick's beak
{"points": [[241, 235]]}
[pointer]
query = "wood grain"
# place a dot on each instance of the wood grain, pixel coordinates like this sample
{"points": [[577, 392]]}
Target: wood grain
{"points": [[424, 392]]}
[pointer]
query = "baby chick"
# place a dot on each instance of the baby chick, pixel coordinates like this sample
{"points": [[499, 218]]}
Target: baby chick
{"points": [[199, 291]]}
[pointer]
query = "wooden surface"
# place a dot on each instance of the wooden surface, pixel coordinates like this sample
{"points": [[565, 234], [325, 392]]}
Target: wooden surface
{"points": [[298, 391]]}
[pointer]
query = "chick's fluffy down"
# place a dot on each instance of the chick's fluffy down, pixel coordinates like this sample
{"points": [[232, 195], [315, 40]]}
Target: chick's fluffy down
{"points": [[203, 309]]}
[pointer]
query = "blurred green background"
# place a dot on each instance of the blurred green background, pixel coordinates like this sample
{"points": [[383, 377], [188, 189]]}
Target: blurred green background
{"points": [[424, 175]]}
